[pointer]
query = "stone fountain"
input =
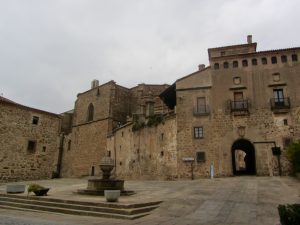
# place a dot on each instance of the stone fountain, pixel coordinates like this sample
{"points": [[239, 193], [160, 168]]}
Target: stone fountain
{"points": [[97, 186]]}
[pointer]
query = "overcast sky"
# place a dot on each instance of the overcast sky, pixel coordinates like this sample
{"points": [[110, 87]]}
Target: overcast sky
{"points": [[50, 50]]}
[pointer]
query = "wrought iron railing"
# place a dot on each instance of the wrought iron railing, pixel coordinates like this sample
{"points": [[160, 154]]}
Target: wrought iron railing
{"points": [[201, 110], [280, 103]]}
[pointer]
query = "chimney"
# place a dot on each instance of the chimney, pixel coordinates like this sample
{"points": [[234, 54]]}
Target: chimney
{"points": [[95, 83], [201, 67], [249, 39]]}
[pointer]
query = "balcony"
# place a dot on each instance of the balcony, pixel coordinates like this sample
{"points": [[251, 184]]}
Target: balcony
{"points": [[280, 105], [202, 110], [239, 107]]}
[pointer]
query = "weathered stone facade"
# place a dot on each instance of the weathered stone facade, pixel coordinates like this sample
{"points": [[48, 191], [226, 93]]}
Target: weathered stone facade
{"points": [[29, 140]]}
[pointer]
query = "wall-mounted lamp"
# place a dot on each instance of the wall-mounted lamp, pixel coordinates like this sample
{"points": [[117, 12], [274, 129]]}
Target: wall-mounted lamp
{"points": [[241, 131]]}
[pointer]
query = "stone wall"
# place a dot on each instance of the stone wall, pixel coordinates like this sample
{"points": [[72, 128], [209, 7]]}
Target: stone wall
{"points": [[148, 153], [18, 160]]}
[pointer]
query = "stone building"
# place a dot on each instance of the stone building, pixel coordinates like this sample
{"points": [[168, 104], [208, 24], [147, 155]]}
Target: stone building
{"points": [[227, 116], [97, 114], [28, 142]]}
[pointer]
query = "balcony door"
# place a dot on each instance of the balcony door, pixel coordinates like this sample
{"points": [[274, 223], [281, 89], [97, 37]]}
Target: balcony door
{"points": [[201, 105], [238, 100], [278, 97]]}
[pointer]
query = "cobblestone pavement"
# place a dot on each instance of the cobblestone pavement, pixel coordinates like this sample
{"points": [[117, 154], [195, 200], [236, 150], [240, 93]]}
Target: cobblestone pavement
{"points": [[226, 201]]}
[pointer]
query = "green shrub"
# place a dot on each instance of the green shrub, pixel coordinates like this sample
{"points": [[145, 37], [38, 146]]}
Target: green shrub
{"points": [[293, 154], [289, 214], [137, 126], [34, 187], [155, 120]]}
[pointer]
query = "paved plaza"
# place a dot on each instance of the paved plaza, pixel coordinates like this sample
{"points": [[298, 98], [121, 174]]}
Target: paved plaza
{"points": [[247, 200]]}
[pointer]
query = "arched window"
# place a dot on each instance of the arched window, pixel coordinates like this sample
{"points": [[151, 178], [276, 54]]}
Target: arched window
{"points": [[264, 61], [226, 65], [216, 66], [254, 62], [284, 58], [90, 112], [235, 64], [274, 59], [245, 62], [294, 58]]}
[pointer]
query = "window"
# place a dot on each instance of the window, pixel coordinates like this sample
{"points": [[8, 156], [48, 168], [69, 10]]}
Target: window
{"points": [[201, 105], [285, 122], [35, 120], [245, 63], [109, 153], [90, 112], [69, 145], [294, 58], [283, 59], [198, 132], [44, 148], [274, 60], [278, 97], [200, 156], [226, 65], [264, 61], [162, 136], [254, 62], [239, 102], [31, 146], [161, 153], [216, 66], [235, 64]]}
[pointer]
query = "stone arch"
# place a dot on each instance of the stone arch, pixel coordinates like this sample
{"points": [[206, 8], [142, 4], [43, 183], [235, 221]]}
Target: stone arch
{"points": [[243, 149]]}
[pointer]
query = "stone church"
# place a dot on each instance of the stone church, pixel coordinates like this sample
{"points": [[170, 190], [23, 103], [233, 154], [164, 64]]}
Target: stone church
{"points": [[232, 117]]}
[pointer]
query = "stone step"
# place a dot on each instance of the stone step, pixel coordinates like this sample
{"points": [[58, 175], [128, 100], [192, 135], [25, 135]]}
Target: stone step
{"points": [[109, 210], [36, 208], [97, 204], [78, 206]]}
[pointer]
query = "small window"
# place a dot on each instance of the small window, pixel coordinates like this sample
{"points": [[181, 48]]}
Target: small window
{"points": [[226, 65], [109, 153], [35, 120], [44, 148], [285, 122], [216, 66], [120, 163], [236, 80], [90, 112], [294, 58], [161, 153], [235, 64], [283, 59], [69, 145], [274, 60], [31, 146], [198, 132], [162, 136], [120, 147], [200, 156], [245, 63], [264, 61], [254, 62], [122, 133]]}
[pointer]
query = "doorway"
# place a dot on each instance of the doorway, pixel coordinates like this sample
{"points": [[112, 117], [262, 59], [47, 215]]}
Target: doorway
{"points": [[243, 158]]}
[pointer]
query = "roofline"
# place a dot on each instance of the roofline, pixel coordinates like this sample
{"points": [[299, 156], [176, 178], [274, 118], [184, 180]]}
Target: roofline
{"points": [[150, 85], [111, 81], [29, 108], [256, 53], [198, 71], [233, 46]]}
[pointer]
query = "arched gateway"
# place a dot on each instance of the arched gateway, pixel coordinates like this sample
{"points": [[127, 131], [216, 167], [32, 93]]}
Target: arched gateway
{"points": [[243, 158]]}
